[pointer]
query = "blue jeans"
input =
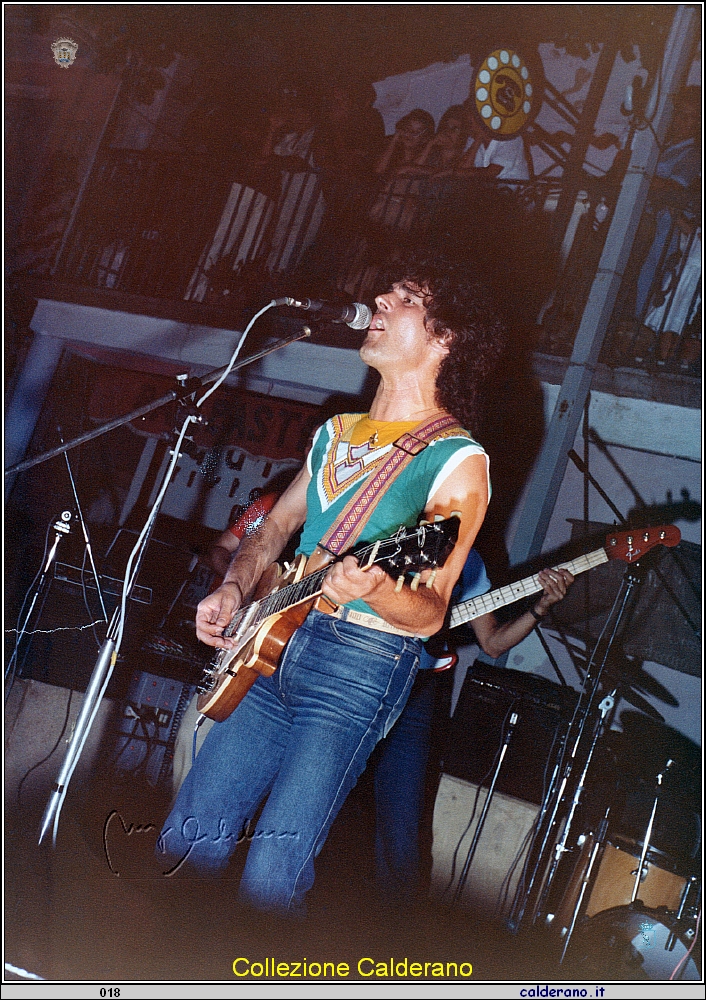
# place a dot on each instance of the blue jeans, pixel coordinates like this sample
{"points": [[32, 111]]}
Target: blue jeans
{"points": [[400, 780], [300, 739]]}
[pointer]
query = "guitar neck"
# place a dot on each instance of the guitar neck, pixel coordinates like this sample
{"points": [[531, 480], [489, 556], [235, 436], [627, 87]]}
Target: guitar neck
{"points": [[293, 593], [310, 586], [466, 611], [405, 552]]}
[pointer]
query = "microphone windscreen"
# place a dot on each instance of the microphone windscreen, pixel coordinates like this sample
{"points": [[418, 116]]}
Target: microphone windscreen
{"points": [[363, 317]]}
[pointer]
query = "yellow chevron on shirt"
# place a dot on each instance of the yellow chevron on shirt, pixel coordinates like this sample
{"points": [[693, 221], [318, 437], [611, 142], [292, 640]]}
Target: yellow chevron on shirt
{"points": [[357, 446]]}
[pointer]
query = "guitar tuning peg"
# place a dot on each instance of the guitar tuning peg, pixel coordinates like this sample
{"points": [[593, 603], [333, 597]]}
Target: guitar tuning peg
{"points": [[423, 523], [438, 517], [456, 513], [431, 579], [400, 583], [415, 582]]}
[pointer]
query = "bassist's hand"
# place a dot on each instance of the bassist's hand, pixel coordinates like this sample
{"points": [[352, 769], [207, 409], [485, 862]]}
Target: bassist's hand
{"points": [[555, 583], [214, 614]]}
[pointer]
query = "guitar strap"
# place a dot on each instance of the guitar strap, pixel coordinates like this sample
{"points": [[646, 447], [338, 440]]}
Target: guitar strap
{"points": [[346, 530]]}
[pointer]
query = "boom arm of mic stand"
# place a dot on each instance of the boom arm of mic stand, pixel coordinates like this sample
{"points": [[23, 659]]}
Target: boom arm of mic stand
{"points": [[108, 652], [189, 387]]}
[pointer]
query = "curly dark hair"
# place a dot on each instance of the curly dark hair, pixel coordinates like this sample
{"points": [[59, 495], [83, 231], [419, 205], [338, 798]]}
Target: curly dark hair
{"points": [[458, 303]]}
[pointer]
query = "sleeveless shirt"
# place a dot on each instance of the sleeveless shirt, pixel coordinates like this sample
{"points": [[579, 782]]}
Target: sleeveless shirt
{"points": [[338, 468]]}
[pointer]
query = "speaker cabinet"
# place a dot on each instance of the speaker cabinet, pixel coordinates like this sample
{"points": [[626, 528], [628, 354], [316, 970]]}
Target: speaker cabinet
{"points": [[496, 868], [489, 698]]}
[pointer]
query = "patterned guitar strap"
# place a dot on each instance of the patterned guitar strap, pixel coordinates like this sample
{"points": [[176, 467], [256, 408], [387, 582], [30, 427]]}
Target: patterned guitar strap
{"points": [[343, 534]]}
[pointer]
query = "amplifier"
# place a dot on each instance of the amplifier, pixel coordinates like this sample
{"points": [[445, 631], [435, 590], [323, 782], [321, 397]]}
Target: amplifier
{"points": [[497, 866], [109, 585], [148, 726], [476, 732]]}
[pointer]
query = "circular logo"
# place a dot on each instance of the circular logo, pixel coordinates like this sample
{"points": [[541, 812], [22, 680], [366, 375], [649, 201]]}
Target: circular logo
{"points": [[504, 93]]}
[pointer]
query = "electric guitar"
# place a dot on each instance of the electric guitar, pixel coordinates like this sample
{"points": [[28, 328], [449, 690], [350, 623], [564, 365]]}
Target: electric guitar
{"points": [[263, 628], [626, 545]]}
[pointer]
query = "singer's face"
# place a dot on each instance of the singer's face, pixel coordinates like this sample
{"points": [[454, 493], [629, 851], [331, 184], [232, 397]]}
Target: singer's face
{"points": [[398, 336]]}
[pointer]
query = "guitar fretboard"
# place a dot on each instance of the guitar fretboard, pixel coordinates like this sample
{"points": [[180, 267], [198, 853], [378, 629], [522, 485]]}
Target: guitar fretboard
{"points": [[466, 611], [294, 593], [310, 586]]}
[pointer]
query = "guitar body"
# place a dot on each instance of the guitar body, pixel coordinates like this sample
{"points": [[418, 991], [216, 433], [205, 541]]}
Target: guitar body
{"points": [[236, 670]]}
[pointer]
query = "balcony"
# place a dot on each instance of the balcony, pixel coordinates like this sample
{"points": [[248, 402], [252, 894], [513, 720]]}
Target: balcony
{"points": [[168, 236]]}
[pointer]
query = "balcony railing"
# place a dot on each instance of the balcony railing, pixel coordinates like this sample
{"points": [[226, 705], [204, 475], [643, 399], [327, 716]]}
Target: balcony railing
{"points": [[173, 228], [656, 322]]}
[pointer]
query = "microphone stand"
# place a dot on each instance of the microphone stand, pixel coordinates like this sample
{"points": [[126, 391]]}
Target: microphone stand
{"points": [[62, 526], [514, 718], [108, 653], [589, 720], [188, 386]]}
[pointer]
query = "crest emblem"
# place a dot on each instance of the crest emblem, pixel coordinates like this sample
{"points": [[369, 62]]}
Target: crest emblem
{"points": [[64, 50]]}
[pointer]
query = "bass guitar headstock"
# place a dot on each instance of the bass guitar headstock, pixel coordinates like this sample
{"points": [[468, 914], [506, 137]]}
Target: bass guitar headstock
{"points": [[632, 545], [410, 551]]}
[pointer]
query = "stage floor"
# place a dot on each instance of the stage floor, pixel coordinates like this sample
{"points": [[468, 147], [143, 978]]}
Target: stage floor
{"points": [[99, 908]]}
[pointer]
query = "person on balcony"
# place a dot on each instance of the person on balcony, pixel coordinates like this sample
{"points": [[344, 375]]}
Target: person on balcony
{"points": [[667, 286], [444, 150], [274, 208], [443, 193], [347, 145], [398, 167], [394, 209], [504, 160]]}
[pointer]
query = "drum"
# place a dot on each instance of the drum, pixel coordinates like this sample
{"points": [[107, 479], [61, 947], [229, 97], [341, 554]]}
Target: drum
{"points": [[615, 881], [634, 943]]}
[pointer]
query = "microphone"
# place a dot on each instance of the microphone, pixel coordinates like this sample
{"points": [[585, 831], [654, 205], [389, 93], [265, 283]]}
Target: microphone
{"points": [[356, 315]]}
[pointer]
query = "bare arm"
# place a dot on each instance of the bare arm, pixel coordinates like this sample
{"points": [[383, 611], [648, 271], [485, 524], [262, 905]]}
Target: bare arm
{"points": [[221, 552], [467, 164], [275, 129], [253, 555], [383, 164], [421, 160], [421, 612], [495, 639]]}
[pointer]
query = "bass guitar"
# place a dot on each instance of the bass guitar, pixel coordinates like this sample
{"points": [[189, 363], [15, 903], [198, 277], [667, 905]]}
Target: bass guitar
{"points": [[262, 629], [626, 545]]}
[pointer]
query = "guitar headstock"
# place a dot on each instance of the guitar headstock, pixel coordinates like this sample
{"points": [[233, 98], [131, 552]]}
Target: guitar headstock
{"points": [[410, 551], [632, 545]]}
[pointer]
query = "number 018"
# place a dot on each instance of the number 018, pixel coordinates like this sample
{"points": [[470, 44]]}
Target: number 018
{"points": [[115, 992]]}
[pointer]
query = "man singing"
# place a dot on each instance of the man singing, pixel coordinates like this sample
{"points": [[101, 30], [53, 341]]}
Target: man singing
{"points": [[301, 738]]}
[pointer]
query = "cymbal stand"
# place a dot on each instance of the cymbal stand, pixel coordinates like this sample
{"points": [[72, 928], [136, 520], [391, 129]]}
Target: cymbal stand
{"points": [[605, 709], [570, 776], [639, 874], [586, 877]]}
